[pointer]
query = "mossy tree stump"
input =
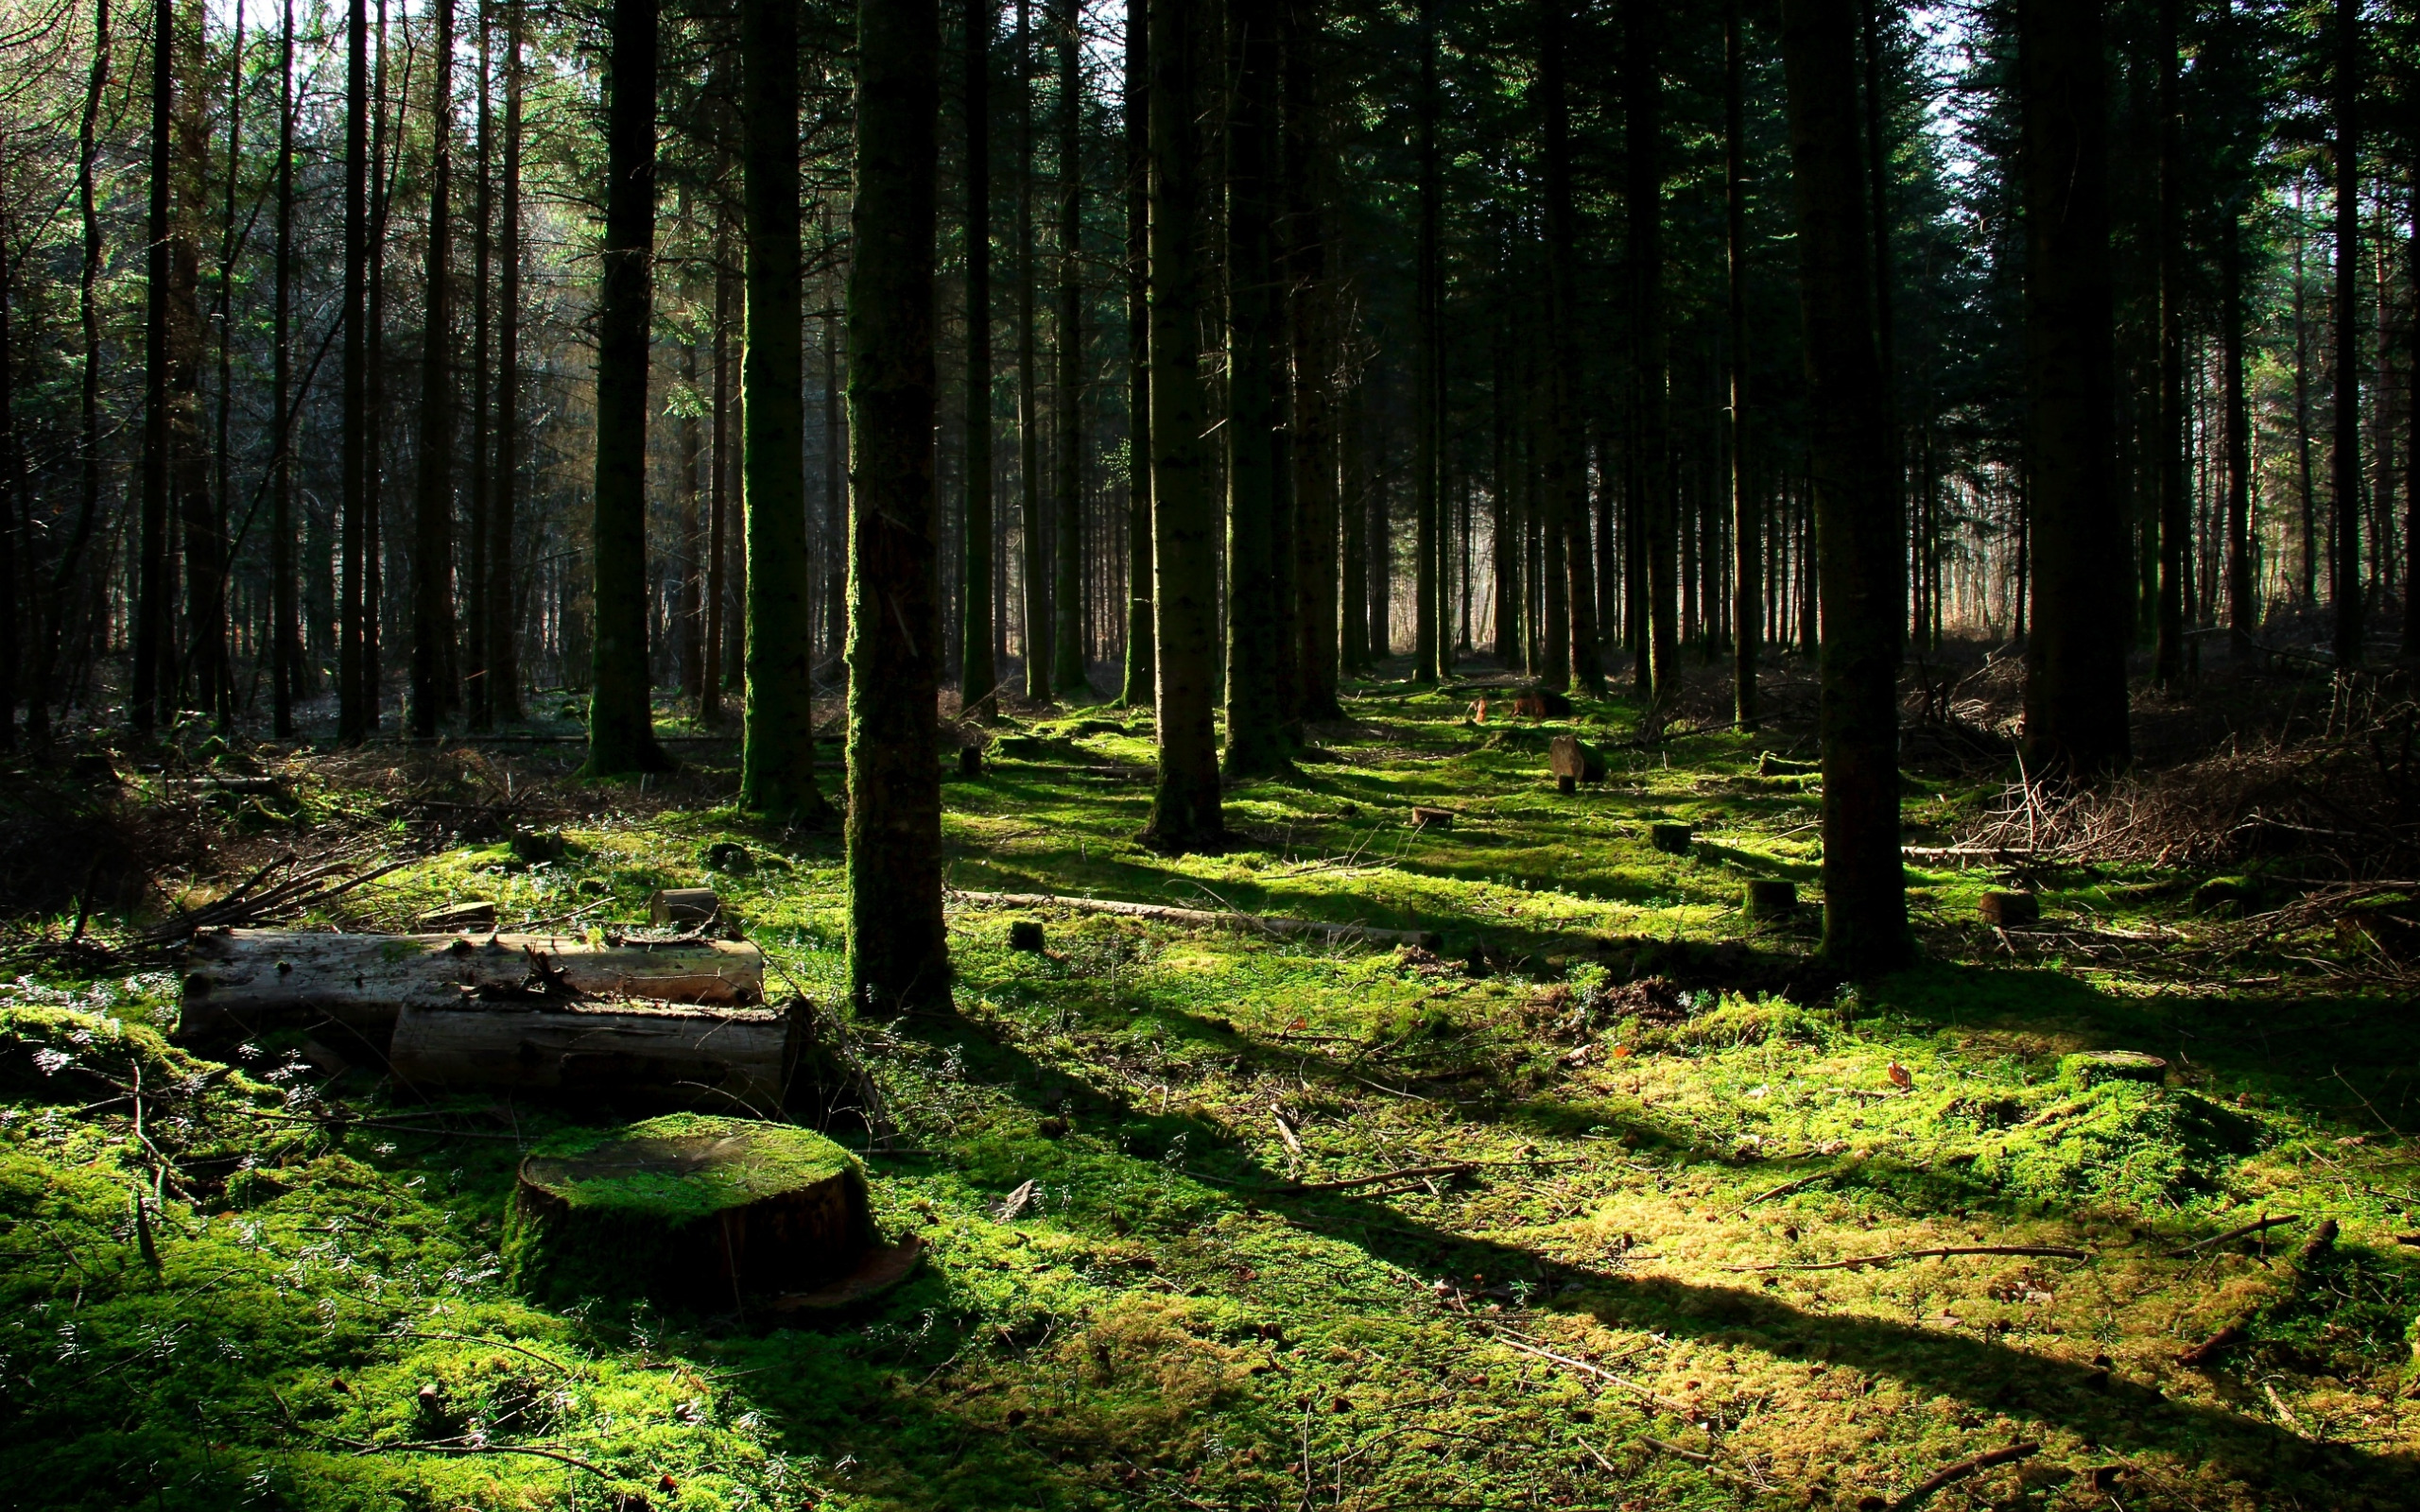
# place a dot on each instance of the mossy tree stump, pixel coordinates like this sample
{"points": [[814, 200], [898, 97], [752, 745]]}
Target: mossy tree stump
{"points": [[699, 1212], [2091, 1068]]}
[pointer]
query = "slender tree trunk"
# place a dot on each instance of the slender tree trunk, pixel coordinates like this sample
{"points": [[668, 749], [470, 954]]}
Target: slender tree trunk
{"points": [[504, 619], [898, 953], [1861, 537], [1571, 631], [2075, 544], [1426, 360], [13, 510], [353, 723], [690, 607], [1657, 559], [718, 489], [1255, 733], [433, 512], [2171, 422], [152, 587], [1313, 419], [1353, 511], [374, 565], [206, 569], [1067, 598], [2344, 552], [478, 617], [1504, 524], [1379, 551], [1747, 522], [285, 591], [1877, 183], [1185, 811], [1140, 662], [1035, 561], [2411, 442], [53, 604], [836, 457], [978, 674], [777, 768], [2243, 614]]}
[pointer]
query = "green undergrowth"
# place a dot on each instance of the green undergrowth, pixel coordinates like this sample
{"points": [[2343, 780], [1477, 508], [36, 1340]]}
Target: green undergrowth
{"points": [[1553, 1217]]}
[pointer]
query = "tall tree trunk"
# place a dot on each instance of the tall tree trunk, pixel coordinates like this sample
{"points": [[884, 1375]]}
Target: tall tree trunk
{"points": [[374, 565], [2171, 423], [978, 674], [206, 568], [1861, 538], [1426, 360], [1185, 811], [2307, 494], [476, 616], [621, 721], [1877, 183], [1140, 661], [433, 695], [284, 590], [2344, 547], [151, 609], [1255, 733], [1068, 597], [719, 490], [1379, 550], [1353, 512], [2075, 688], [689, 608], [503, 620], [2243, 613], [353, 722], [1572, 635], [1035, 562], [53, 604], [898, 953], [1313, 421], [836, 455], [777, 765], [1504, 521], [1747, 522], [14, 508], [1654, 509]]}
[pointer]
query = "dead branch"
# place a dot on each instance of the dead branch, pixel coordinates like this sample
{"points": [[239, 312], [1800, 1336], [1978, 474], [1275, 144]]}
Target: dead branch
{"points": [[2041, 1251]]}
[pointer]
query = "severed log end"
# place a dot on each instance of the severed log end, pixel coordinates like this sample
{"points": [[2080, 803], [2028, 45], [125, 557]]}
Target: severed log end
{"points": [[729, 1060], [690, 1212]]}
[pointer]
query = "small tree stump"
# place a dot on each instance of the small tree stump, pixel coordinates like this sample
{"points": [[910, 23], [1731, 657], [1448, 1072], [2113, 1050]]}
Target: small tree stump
{"points": [[1770, 898], [2011, 910], [1672, 840], [1026, 935], [682, 905], [1433, 818], [1571, 761], [691, 1211], [970, 761], [2092, 1067]]}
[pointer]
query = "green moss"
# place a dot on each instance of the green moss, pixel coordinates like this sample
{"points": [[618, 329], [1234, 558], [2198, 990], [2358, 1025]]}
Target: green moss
{"points": [[684, 1166], [2122, 1141]]}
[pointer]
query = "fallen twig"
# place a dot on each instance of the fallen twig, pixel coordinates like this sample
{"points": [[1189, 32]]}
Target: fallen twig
{"points": [[1782, 1191], [2248, 1229], [1645, 1393], [2042, 1251], [1950, 1474]]}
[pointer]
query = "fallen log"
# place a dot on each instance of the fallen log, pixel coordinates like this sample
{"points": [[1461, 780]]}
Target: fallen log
{"points": [[1206, 919], [662, 1054], [239, 982]]}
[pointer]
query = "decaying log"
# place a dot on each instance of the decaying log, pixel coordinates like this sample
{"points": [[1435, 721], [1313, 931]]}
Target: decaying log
{"points": [[239, 982], [697, 1212], [721, 1060], [1205, 919]]}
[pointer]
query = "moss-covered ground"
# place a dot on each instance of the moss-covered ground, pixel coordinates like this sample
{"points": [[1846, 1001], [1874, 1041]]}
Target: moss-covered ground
{"points": [[1617, 1114]]}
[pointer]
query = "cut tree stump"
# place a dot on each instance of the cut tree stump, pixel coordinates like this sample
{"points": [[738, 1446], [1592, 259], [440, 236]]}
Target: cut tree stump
{"points": [[1423, 819], [697, 1212], [1572, 761], [1672, 840], [240, 981], [682, 905], [2091, 1067], [1770, 898], [660, 1053], [2011, 910]]}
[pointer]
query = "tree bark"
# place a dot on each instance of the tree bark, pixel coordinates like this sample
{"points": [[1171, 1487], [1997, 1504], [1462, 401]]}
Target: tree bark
{"points": [[504, 618], [2075, 689], [1747, 515], [353, 723], [1186, 809], [1256, 743], [2170, 425], [1428, 361], [285, 645], [152, 587], [1068, 597], [2344, 547], [374, 567], [777, 761], [207, 570], [1656, 524], [1860, 536], [1038, 639], [1571, 634], [1313, 421], [621, 720], [432, 561], [898, 955], [978, 674], [476, 615], [1140, 661]]}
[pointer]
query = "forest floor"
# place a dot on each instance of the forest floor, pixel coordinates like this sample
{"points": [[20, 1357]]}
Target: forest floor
{"points": [[1617, 1201]]}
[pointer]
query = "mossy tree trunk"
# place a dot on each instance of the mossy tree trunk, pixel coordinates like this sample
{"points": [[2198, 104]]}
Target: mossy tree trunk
{"points": [[1860, 537], [2075, 685], [621, 721], [1185, 811], [777, 763], [978, 675], [1255, 730], [898, 955]]}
